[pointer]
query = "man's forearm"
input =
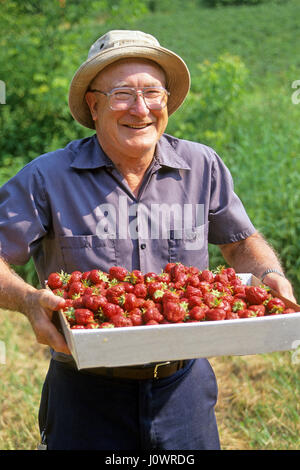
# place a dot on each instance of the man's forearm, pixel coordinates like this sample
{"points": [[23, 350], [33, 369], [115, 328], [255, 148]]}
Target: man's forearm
{"points": [[13, 289], [253, 255]]}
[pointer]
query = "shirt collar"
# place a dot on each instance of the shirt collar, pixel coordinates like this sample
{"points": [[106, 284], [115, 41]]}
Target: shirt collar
{"points": [[89, 155], [166, 154]]}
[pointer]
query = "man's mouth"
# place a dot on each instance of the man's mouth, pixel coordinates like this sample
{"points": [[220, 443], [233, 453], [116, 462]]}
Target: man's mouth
{"points": [[138, 126]]}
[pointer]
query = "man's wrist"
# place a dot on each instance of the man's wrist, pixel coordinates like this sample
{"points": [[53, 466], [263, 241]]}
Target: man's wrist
{"points": [[269, 271]]}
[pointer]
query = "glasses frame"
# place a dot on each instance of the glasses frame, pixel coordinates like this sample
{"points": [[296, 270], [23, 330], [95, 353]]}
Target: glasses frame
{"points": [[135, 91]]}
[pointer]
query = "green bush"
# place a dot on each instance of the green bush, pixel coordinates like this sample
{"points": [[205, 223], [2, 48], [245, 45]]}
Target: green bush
{"points": [[210, 108]]}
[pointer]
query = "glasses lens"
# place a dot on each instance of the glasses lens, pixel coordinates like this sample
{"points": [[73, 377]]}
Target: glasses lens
{"points": [[122, 99]]}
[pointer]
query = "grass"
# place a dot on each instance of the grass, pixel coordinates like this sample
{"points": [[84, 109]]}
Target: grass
{"points": [[258, 406]]}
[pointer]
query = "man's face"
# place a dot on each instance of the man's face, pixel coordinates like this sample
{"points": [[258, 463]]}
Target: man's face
{"points": [[134, 132]]}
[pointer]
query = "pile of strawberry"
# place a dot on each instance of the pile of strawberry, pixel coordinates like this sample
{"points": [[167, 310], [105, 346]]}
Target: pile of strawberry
{"points": [[119, 298]]}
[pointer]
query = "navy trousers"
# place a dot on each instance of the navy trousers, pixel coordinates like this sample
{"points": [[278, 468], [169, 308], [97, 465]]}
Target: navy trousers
{"points": [[83, 411]]}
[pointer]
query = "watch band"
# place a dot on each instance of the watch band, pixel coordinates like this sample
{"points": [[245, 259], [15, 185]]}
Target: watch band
{"points": [[268, 271]]}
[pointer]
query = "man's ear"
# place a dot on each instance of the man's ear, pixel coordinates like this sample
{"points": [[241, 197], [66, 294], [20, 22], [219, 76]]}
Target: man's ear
{"points": [[92, 104]]}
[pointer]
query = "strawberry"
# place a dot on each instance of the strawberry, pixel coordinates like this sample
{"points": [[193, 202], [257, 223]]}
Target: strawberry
{"points": [[140, 290], [129, 288], [96, 276], [150, 277], [94, 302], [260, 310], [78, 327], [110, 309], [256, 295], [289, 310], [136, 277], [247, 313], [57, 280], [230, 315], [195, 301], [152, 313], [118, 272], [136, 316], [120, 320], [275, 306], [198, 312], [206, 275], [114, 293], [214, 314], [106, 324], [173, 311], [238, 304], [130, 302], [169, 267], [76, 288], [75, 276], [83, 316]]}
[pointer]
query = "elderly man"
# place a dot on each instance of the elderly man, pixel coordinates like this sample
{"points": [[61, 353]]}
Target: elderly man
{"points": [[55, 210]]}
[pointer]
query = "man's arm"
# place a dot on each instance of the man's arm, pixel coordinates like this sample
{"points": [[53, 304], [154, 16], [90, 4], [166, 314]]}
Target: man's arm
{"points": [[254, 255], [36, 305]]}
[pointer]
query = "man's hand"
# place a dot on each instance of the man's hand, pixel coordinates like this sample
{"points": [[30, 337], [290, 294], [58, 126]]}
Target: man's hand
{"points": [[254, 255], [280, 285], [39, 307]]}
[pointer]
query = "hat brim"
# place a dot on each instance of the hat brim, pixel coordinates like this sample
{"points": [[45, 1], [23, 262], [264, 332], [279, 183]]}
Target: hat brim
{"points": [[177, 75]]}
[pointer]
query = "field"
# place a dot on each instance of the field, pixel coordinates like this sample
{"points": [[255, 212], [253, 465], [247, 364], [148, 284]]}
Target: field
{"points": [[259, 139]]}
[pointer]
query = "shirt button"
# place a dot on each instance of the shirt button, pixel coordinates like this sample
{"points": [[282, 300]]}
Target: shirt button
{"points": [[143, 246]]}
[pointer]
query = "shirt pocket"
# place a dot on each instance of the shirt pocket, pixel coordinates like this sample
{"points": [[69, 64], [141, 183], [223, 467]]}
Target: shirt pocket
{"points": [[86, 252], [189, 246]]}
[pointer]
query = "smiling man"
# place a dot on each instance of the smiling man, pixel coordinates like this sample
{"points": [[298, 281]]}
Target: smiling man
{"points": [[53, 209]]}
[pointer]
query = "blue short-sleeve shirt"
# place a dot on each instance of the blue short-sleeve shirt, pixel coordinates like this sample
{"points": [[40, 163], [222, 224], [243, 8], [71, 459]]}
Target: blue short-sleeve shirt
{"points": [[71, 209]]}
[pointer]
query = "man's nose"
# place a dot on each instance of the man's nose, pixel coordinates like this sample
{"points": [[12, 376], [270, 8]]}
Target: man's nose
{"points": [[139, 106]]}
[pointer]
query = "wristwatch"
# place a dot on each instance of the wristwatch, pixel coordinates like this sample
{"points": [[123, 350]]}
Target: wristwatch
{"points": [[268, 271]]}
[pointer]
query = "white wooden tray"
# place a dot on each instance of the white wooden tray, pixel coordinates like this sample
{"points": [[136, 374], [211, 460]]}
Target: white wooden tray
{"points": [[113, 347]]}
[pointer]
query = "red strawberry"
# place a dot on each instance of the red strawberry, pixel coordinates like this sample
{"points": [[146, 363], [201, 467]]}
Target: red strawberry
{"points": [[136, 277], [121, 320], [140, 290], [106, 324], [118, 272], [114, 293], [260, 310], [247, 313], [289, 310], [57, 280], [83, 316], [130, 302], [136, 316], [94, 302], [191, 291], [198, 313], [152, 313], [129, 288], [174, 312], [206, 275], [256, 295], [96, 276], [76, 288], [275, 306], [169, 267], [150, 277], [195, 301], [230, 315], [75, 276], [238, 304], [109, 310], [214, 314]]}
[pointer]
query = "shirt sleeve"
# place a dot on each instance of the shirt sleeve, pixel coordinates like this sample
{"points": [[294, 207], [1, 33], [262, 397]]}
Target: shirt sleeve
{"points": [[228, 220], [24, 215]]}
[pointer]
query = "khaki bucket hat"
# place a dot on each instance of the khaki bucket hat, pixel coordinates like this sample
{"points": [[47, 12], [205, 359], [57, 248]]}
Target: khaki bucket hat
{"points": [[121, 44]]}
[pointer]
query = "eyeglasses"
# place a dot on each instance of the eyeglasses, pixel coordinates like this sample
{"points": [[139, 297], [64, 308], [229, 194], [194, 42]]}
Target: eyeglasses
{"points": [[121, 99]]}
